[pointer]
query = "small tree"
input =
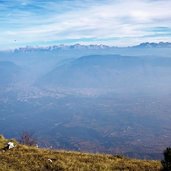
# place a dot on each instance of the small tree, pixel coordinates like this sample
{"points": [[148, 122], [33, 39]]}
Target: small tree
{"points": [[27, 138], [166, 163]]}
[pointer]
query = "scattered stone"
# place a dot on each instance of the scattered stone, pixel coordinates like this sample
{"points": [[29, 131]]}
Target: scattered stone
{"points": [[50, 160]]}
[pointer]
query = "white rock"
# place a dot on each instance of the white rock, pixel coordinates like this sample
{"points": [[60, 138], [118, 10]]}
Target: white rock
{"points": [[10, 145]]}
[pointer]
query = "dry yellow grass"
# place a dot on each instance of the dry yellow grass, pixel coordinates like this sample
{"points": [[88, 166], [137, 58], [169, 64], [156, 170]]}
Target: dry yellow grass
{"points": [[24, 158]]}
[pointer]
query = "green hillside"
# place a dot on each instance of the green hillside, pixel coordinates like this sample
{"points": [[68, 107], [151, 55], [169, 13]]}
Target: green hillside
{"points": [[24, 158]]}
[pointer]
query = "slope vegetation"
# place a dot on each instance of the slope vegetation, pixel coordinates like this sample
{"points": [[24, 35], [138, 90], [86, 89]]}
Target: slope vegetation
{"points": [[24, 158]]}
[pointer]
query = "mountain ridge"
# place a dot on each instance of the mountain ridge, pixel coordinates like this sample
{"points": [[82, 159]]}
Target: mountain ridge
{"points": [[107, 69], [90, 46]]}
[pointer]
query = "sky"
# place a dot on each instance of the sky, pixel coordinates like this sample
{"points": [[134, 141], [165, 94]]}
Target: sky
{"points": [[109, 22]]}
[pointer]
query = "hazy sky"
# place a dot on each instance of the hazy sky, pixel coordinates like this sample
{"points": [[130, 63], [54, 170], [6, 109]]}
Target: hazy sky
{"points": [[111, 22]]}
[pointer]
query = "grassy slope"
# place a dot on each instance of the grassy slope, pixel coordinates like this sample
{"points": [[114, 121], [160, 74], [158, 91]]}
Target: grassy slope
{"points": [[23, 158]]}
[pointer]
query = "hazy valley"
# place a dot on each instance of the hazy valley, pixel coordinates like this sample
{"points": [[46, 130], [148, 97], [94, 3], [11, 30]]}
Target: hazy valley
{"points": [[89, 98]]}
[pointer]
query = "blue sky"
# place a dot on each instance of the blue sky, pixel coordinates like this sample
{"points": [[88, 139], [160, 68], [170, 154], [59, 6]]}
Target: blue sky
{"points": [[111, 22]]}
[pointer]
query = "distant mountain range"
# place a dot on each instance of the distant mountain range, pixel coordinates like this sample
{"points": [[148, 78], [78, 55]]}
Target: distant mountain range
{"points": [[154, 45], [64, 47], [101, 46]]}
